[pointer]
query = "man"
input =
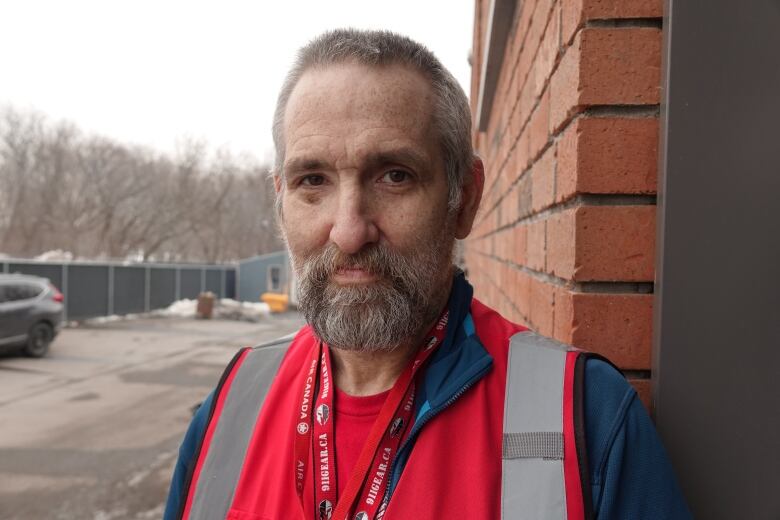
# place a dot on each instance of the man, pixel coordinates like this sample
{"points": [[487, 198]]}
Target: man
{"points": [[390, 403]]}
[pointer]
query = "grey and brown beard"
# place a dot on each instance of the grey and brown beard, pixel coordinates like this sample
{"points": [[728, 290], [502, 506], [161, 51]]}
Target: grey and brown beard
{"points": [[389, 313]]}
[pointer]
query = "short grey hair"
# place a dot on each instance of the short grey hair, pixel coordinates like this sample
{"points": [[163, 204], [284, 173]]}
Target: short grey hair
{"points": [[452, 116]]}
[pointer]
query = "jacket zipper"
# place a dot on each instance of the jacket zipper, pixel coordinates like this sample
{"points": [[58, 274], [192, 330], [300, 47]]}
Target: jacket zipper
{"points": [[425, 419]]}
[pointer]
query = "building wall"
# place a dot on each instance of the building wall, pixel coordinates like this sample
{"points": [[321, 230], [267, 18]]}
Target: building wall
{"points": [[564, 241], [254, 273]]}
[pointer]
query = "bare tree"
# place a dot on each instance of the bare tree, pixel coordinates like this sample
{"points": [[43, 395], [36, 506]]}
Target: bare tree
{"points": [[99, 198]]}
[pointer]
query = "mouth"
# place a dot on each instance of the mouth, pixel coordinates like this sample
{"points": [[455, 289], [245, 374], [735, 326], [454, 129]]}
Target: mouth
{"points": [[353, 275]]}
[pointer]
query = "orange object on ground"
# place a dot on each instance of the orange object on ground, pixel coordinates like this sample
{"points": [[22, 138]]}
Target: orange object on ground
{"points": [[276, 301]]}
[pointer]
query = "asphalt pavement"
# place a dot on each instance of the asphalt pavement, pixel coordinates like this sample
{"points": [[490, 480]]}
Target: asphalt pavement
{"points": [[91, 432]]}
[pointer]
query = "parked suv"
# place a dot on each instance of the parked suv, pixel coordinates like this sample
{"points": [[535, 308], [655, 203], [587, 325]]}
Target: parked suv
{"points": [[30, 313]]}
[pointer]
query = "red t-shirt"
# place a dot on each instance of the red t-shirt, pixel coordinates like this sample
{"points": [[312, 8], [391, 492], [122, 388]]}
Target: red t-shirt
{"points": [[354, 418]]}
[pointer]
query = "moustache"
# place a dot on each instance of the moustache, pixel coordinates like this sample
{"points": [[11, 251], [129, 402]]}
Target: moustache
{"points": [[377, 260]]}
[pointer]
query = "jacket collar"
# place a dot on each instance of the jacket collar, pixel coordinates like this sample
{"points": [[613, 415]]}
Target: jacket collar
{"points": [[461, 360]]}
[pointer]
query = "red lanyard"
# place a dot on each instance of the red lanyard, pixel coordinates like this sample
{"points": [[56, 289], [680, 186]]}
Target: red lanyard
{"points": [[315, 435]]}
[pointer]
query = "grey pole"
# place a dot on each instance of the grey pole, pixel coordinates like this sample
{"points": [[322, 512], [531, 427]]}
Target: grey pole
{"points": [[238, 282], [110, 290], [147, 289]]}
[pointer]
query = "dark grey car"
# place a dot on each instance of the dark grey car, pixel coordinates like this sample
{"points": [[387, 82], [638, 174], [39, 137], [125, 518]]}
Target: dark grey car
{"points": [[30, 313]]}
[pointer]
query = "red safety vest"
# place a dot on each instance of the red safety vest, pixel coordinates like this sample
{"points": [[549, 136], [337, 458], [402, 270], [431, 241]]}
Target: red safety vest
{"points": [[512, 446]]}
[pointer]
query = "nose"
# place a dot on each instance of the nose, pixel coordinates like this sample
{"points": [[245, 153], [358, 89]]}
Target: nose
{"points": [[353, 225]]}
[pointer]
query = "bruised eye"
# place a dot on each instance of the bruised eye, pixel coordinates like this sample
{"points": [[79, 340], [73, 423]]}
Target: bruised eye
{"points": [[395, 176], [313, 180]]}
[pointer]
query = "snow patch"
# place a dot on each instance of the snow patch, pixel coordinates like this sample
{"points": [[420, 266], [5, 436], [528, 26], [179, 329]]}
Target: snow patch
{"points": [[55, 255], [224, 309]]}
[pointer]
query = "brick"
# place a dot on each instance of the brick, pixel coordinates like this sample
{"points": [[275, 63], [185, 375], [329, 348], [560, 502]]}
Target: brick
{"points": [[526, 101], [607, 155], [620, 66], [524, 194], [491, 173], [512, 210], [566, 164], [516, 123], [503, 152], [602, 243], [571, 20], [547, 55], [606, 66], [520, 242], [541, 312], [563, 317], [520, 37], [502, 279], [565, 87], [493, 191], [511, 171], [500, 187], [539, 126], [524, 70], [526, 10], [543, 180], [536, 248], [561, 244], [498, 248], [520, 293], [615, 243], [542, 13], [617, 155], [576, 12], [537, 27], [522, 157], [618, 326], [504, 247], [513, 89]]}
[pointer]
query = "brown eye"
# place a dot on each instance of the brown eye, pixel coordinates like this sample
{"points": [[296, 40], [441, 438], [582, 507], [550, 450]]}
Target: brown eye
{"points": [[313, 180], [395, 176]]}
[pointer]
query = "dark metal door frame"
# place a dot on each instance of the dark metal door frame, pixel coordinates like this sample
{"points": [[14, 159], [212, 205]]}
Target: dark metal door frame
{"points": [[716, 373]]}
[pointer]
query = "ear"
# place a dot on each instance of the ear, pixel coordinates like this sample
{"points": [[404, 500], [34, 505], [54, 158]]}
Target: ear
{"points": [[277, 183], [471, 196]]}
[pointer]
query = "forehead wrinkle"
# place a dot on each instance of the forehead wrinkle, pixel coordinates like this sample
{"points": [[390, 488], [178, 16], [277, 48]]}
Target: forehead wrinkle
{"points": [[362, 93], [344, 113]]}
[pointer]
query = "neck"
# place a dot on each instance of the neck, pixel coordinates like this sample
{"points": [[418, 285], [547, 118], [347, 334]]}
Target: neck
{"points": [[369, 373]]}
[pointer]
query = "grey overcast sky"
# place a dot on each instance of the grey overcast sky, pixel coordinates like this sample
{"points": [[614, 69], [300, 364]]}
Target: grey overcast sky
{"points": [[152, 72]]}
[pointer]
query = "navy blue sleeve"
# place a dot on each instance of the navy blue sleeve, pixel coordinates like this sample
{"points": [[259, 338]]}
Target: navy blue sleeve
{"points": [[186, 458], [631, 476]]}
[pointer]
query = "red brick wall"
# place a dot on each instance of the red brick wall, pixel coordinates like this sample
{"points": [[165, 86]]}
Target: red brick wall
{"points": [[564, 241]]}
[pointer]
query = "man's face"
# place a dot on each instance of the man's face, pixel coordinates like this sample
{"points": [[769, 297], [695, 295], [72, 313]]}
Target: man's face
{"points": [[364, 204]]}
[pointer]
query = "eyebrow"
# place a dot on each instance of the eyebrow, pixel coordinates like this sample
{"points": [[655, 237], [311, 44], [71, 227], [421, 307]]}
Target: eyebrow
{"points": [[404, 156], [304, 164]]}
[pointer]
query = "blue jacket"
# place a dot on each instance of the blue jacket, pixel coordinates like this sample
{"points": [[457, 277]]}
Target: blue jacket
{"points": [[630, 474]]}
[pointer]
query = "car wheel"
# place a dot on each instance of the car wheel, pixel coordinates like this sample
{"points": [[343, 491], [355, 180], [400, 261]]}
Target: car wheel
{"points": [[39, 339]]}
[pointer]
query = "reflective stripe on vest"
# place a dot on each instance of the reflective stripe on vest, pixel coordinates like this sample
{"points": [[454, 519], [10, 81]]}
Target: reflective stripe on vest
{"points": [[540, 468], [211, 491]]}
